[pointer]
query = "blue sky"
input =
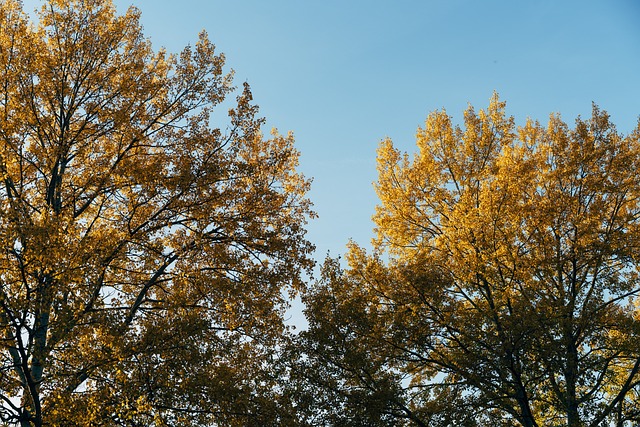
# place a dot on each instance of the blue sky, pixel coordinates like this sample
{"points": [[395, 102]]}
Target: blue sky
{"points": [[342, 75]]}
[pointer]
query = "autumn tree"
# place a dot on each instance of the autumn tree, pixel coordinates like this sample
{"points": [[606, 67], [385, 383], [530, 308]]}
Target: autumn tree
{"points": [[145, 255], [503, 285]]}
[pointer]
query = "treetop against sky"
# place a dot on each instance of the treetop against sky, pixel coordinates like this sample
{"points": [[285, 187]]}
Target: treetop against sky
{"points": [[154, 229], [345, 75]]}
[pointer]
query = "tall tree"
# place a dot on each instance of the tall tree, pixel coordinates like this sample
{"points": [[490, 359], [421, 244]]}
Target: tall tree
{"points": [[144, 254], [511, 273]]}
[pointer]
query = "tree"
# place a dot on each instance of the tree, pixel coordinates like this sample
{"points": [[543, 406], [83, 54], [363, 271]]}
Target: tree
{"points": [[145, 255], [504, 272]]}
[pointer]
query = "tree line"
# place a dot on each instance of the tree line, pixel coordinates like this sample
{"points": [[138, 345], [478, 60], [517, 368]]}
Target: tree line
{"points": [[147, 256]]}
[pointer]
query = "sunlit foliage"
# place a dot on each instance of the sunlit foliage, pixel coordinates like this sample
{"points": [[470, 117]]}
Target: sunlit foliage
{"points": [[145, 254], [503, 285]]}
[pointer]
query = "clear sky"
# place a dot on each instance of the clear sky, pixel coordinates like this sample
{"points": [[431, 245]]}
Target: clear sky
{"points": [[342, 75]]}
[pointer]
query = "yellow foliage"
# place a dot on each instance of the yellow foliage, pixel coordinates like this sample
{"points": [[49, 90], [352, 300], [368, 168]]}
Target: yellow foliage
{"points": [[142, 250], [513, 266]]}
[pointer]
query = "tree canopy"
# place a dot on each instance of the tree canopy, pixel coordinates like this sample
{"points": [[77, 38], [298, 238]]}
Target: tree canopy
{"points": [[145, 254], [503, 285], [149, 244]]}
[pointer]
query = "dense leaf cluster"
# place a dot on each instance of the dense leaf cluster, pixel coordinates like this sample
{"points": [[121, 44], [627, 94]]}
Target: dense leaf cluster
{"points": [[145, 255]]}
